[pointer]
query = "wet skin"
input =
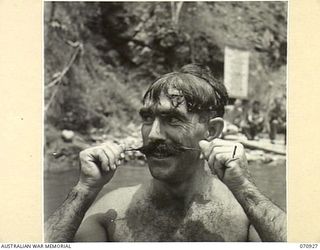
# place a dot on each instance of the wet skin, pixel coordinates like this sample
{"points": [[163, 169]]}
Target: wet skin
{"points": [[135, 214], [168, 122], [183, 201]]}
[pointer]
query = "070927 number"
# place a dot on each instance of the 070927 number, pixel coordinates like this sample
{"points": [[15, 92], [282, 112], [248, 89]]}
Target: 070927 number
{"points": [[308, 245]]}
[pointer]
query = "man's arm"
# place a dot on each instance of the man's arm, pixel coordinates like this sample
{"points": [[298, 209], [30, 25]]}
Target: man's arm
{"points": [[63, 223], [253, 236], [249, 117], [267, 218], [98, 165], [273, 115], [92, 229], [228, 161], [260, 119]]}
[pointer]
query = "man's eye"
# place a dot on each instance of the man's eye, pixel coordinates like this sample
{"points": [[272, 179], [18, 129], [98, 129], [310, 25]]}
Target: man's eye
{"points": [[172, 120], [147, 118]]}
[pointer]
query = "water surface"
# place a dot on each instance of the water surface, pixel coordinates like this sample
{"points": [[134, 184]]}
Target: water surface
{"points": [[270, 179]]}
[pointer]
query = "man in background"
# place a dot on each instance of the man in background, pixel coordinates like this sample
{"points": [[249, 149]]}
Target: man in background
{"points": [[277, 119], [254, 121]]}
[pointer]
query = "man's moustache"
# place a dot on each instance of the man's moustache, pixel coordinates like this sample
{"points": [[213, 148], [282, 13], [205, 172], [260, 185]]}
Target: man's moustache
{"points": [[168, 148]]}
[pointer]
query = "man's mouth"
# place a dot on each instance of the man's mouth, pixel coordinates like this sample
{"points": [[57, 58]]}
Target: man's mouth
{"points": [[160, 154]]}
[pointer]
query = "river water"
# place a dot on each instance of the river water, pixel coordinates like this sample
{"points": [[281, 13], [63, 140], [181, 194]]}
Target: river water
{"points": [[270, 179]]}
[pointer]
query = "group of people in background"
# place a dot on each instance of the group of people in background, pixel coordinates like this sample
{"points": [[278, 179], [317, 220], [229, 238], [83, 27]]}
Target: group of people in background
{"points": [[252, 120]]}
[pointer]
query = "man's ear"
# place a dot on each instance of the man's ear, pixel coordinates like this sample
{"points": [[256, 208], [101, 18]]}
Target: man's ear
{"points": [[215, 127]]}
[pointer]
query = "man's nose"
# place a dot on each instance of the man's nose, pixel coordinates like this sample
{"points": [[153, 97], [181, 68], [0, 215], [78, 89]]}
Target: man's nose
{"points": [[155, 132]]}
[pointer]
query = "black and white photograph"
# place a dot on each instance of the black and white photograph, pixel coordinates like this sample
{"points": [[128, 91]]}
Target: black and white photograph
{"points": [[165, 121]]}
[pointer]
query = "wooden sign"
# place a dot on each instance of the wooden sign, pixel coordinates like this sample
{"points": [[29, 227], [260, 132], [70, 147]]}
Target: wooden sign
{"points": [[236, 72]]}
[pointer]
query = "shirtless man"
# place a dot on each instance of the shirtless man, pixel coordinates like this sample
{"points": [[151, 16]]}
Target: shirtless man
{"points": [[200, 191]]}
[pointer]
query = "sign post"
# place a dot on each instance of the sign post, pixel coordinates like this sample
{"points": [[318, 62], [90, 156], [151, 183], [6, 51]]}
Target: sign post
{"points": [[236, 72]]}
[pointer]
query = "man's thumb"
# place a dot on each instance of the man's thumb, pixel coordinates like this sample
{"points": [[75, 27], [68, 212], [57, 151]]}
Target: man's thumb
{"points": [[205, 148], [203, 144]]}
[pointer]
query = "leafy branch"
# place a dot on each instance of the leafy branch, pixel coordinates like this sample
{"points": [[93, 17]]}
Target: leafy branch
{"points": [[58, 79]]}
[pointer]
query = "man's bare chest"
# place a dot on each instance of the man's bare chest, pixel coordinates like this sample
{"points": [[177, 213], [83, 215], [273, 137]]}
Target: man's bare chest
{"points": [[201, 222]]}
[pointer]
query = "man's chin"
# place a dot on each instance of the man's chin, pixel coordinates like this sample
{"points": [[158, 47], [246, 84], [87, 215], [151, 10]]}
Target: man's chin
{"points": [[160, 168], [163, 161]]}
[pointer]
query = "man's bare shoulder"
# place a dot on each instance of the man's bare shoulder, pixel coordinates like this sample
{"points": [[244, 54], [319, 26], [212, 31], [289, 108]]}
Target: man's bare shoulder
{"points": [[99, 218], [118, 200]]}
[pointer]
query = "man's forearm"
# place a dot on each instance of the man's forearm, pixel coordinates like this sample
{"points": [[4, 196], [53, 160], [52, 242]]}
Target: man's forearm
{"points": [[267, 218], [65, 221]]}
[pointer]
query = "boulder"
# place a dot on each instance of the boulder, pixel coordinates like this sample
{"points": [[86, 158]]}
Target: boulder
{"points": [[67, 135]]}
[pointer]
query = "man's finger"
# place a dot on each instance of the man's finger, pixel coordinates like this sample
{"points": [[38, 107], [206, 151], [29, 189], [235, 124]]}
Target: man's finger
{"points": [[110, 155], [117, 151], [221, 142], [207, 147], [211, 160], [104, 160], [216, 166], [86, 159], [224, 149], [226, 160]]}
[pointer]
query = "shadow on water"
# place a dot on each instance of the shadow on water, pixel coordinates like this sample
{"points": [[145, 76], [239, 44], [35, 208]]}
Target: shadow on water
{"points": [[270, 179]]}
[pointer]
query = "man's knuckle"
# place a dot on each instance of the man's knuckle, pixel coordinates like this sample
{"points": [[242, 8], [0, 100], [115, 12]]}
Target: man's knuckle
{"points": [[83, 154], [239, 145], [98, 150], [215, 140], [219, 157], [105, 145], [212, 159]]}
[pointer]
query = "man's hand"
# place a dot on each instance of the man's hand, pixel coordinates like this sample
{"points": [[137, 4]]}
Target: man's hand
{"points": [[227, 160], [98, 164]]}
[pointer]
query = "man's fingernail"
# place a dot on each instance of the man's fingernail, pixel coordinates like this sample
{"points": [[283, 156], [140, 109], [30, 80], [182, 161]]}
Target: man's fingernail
{"points": [[122, 155], [201, 156]]}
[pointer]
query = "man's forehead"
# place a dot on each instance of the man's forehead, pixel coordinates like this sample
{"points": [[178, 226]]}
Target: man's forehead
{"points": [[171, 99]]}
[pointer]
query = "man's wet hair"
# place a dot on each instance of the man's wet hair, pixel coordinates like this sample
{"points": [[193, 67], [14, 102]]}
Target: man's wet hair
{"points": [[203, 93]]}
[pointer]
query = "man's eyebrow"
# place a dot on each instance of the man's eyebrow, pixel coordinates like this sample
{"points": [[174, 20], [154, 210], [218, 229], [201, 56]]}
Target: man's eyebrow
{"points": [[145, 110], [165, 112], [172, 112]]}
